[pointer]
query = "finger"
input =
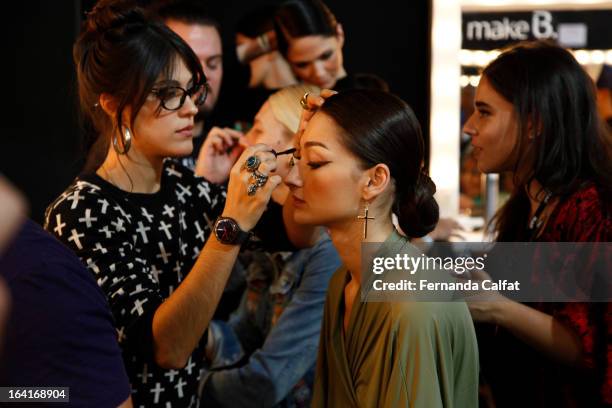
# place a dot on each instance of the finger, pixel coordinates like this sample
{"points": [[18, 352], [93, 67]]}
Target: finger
{"points": [[267, 167], [326, 93], [233, 133], [270, 185]]}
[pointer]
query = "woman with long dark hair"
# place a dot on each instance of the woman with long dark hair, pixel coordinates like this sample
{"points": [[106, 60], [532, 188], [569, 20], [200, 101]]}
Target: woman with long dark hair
{"points": [[536, 117]]}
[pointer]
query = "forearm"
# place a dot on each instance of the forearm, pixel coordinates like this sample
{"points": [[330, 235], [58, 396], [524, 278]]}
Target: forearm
{"points": [[180, 322], [541, 331]]}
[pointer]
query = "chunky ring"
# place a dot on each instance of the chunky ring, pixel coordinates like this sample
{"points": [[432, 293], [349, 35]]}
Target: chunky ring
{"points": [[252, 188], [252, 163], [259, 176], [304, 102]]}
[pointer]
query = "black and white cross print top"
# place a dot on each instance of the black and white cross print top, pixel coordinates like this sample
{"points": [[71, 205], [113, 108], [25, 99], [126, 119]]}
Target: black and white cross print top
{"points": [[140, 247]]}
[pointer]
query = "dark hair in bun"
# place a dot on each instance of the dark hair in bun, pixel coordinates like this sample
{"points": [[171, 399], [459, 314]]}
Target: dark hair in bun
{"points": [[381, 128], [122, 53]]}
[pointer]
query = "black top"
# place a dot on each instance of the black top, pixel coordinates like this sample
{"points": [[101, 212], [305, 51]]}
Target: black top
{"points": [[140, 247]]}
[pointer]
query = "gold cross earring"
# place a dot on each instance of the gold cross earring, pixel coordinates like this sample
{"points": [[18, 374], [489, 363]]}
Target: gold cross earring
{"points": [[365, 219]]}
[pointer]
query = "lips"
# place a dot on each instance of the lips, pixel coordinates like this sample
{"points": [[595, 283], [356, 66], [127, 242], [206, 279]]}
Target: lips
{"points": [[298, 202], [186, 131]]}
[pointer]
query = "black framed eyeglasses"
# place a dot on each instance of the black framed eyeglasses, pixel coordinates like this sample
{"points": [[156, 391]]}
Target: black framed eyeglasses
{"points": [[172, 98]]}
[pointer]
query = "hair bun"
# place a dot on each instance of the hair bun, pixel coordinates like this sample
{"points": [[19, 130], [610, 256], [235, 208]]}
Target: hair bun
{"points": [[417, 209], [111, 14]]}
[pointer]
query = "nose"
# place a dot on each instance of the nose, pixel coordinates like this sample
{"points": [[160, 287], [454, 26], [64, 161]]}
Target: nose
{"points": [[469, 128], [189, 108], [293, 180], [318, 69]]}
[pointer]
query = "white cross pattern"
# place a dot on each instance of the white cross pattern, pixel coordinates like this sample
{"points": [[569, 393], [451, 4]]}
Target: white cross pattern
{"points": [[169, 211], [60, 224], [138, 289], [145, 374], [171, 374], [106, 231], [183, 247], [145, 213], [162, 253], [172, 172], [189, 366], [92, 265], [88, 218], [75, 198], [157, 390], [196, 252], [100, 248], [179, 387], [104, 205], [118, 225], [182, 220], [166, 228], [177, 269], [204, 189], [209, 222], [200, 234], [184, 190], [142, 230], [75, 238], [155, 272], [138, 306]]}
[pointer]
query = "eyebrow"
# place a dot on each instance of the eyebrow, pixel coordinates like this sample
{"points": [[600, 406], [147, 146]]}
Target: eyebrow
{"points": [[311, 144], [481, 104], [317, 58]]}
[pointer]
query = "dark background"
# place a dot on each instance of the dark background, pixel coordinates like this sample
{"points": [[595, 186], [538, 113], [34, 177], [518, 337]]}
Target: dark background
{"points": [[39, 147]]}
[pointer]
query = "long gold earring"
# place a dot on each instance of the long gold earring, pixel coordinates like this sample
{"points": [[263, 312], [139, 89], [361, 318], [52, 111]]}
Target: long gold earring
{"points": [[126, 141], [365, 219]]}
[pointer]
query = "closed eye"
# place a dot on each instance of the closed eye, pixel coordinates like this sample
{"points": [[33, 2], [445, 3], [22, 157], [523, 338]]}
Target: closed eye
{"points": [[316, 165]]}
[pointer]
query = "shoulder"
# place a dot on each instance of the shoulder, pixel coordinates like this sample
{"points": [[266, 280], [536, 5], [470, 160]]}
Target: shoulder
{"points": [[583, 216]]}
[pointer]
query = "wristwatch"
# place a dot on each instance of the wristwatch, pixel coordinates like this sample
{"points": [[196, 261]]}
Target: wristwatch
{"points": [[228, 232]]}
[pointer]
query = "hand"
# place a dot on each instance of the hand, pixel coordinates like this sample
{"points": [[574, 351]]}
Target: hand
{"points": [[446, 229], [485, 306], [314, 102], [219, 153], [244, 208]]}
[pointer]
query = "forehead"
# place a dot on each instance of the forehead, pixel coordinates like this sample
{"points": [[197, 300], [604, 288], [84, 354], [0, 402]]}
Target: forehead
{"points": [[179, 73], [321, 128], [204, 40], [486, 93], [309, 48]]}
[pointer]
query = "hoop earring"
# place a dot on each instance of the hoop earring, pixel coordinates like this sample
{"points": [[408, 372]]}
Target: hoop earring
{"points": [[126, 141]]}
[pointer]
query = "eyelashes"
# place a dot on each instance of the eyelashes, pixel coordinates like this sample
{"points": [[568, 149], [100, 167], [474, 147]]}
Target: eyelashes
{"points": [[316, 165]]}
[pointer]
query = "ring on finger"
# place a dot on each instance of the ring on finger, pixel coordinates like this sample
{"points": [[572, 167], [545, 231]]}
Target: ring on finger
{"points": [[257, 175], [252, 163], [304, 102]]}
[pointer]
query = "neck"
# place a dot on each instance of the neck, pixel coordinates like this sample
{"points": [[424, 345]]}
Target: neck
{"points": [[348, 236], [132, 172], [536, 195]]}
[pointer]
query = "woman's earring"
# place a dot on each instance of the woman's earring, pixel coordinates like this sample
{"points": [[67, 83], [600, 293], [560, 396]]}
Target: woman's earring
{"points": [[126, 141], [365, 219]]}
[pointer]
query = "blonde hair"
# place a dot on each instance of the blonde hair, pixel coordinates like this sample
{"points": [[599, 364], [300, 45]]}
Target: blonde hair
{"points": [[286, 106]]}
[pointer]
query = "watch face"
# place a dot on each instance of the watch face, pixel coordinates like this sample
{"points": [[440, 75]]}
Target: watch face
{"points": [[226, 231]]}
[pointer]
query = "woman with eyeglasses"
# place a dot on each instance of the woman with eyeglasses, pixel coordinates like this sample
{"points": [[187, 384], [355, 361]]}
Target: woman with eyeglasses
{"points": [[142, 223]]}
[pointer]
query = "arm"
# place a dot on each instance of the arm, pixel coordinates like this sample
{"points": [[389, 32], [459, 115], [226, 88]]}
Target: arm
{"points": [[540, 330], [290, 348], [181, 320], [252, 48]]}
